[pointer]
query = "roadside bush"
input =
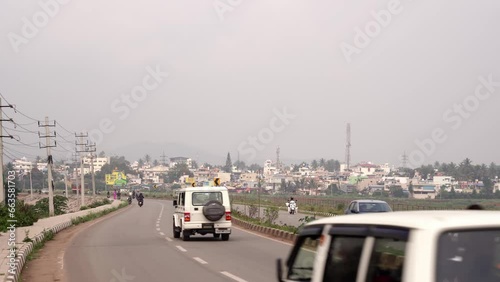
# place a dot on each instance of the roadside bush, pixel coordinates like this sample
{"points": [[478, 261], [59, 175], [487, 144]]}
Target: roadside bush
{"points": [[24, 214], [252, 210], [99, 203], [271, 214], [42, 206]]}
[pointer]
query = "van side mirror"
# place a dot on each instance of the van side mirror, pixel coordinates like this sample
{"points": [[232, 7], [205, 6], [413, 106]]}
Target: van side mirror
{"points": [[175, 203], [279, 269]]}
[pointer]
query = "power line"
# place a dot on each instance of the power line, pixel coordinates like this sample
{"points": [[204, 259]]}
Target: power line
{"points": [[16, 110], [30, 131], [20, 142], [30, 144], [18, 152], [11, 157], [69, 142], [70, 132]]}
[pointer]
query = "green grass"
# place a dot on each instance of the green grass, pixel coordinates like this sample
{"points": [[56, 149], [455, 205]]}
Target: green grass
{"points": [[49, 235], [94, 215]]}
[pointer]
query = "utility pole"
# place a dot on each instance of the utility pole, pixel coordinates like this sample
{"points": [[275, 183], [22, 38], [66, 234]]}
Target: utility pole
{"points": [[82, 174], [75, 174], [31, 184], [348, 147], [91, 149], [2, 192], [66, 183], [48, 145]]}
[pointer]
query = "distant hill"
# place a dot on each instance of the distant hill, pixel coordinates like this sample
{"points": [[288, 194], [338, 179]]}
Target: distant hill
{"points": [[134, 152]]}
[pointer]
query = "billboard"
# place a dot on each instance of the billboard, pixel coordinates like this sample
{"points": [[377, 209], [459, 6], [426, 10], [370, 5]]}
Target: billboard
{"points": [[117, 178]]}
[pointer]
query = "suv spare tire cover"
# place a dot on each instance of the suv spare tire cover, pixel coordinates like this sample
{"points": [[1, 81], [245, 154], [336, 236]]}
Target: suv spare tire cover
{"points": [[213, 210]]}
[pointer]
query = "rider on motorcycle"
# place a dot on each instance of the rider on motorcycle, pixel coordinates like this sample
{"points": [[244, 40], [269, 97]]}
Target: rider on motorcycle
{"points": [[140, 197], [292, 205]]}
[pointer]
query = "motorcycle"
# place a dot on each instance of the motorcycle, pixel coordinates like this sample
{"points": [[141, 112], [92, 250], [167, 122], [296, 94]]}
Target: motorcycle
{"points": [[140, 202], [129, 200]]}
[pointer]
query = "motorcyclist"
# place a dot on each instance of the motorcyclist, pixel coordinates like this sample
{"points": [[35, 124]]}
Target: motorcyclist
{"points": [[140, 197], [133, 194], [292, 204]]}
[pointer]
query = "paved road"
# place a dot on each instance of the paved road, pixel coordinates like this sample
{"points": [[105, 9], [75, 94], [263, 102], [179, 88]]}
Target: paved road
{"points": [[131, 247], [283, 217]]}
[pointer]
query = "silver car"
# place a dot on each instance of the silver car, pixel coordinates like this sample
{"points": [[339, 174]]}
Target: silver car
{"points": [[367, 206]]}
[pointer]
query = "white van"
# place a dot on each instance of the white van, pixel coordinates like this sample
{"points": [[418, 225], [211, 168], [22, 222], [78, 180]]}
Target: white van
{"points": [[416, 246], [202, 210]]}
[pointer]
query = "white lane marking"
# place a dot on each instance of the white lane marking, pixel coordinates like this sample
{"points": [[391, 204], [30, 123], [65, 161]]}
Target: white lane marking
{"points": [[158, 229], [181, 249], [234, 277], [157, 225], [168, 239], [61, 260], [262, 236], [162, 234], [200, 260]]}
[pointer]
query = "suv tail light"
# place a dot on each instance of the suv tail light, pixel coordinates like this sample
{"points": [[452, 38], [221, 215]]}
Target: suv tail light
{"points": [[228, 215], [187, 217]]}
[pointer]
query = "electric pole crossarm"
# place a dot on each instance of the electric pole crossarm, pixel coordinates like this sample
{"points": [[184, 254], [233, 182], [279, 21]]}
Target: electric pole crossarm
{"points": [[50, 162]]}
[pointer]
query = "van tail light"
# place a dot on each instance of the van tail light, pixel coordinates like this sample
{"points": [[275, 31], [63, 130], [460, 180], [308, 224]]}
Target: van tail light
{"points": [[228, 215], [187, 217]]}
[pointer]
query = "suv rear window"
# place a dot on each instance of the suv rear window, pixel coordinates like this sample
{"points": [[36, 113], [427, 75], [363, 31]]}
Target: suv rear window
{"points": [[201, 198], [469, 255]]}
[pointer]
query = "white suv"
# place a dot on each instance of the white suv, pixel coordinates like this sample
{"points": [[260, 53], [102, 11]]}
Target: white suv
{"points": [[430, 246], [202, 210]]}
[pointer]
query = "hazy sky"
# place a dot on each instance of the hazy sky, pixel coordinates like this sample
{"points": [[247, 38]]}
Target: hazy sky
{"points": [[249, 76]]}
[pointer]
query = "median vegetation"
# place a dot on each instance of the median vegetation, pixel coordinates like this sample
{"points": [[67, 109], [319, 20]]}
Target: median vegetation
{"points": [[93, 215], [96, 204], [271, 214], [26, 214]]}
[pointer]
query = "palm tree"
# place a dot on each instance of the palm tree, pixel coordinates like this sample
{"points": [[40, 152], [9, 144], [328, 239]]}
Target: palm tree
{"points": [[147, 158]]}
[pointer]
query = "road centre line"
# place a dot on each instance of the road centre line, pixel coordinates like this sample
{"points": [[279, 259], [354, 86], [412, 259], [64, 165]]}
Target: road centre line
{"points": [[234, 277], [200, 260], [181, 249]]}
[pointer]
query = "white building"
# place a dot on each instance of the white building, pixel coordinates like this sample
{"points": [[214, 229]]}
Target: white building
{"points": [[181, 160], [98, 163], [439, 181], [22, 165], [155, 174], [269, 168], [496, 187]]}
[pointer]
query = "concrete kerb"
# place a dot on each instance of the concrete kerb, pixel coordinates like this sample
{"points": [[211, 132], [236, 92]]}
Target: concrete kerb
{"points": [[59, 223], [280, 234]]}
